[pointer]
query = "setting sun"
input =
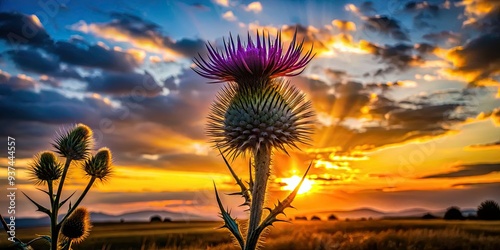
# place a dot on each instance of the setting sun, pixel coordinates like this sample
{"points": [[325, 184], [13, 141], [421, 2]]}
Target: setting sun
{"points": [[293, 181]]}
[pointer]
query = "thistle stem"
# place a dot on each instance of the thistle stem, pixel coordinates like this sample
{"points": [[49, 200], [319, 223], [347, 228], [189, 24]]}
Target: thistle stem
{"points": [[54, 227], [50, 186], [262, 159], [89, 185]]}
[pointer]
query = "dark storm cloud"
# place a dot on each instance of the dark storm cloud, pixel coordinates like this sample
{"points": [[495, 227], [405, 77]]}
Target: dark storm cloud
{"points": [[96, 56], [32, 60], [468, 170], [21, 29], [124, 84], [479, 57], [387, 26]]}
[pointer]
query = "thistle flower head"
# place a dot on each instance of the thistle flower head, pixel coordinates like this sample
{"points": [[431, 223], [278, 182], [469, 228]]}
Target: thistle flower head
{"points": [[99, 165], [46, 167], [276, 115], [75, 143], [254, 63], [77, 226]]}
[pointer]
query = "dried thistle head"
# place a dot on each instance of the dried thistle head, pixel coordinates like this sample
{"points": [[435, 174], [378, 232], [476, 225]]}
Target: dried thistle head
{"points": [[99, 165], [274, 116], [77, 226], [75, 143], [46, 167], [255, 63]]}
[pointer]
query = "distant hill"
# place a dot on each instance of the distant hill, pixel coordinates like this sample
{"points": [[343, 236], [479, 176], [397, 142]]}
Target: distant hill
{"points": [[142, 216], [377, 214], [137, 216]]}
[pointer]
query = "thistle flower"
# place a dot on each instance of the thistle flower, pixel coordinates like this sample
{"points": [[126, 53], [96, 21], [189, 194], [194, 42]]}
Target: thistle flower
{"points": [[99, 166], [276, 115], [75, 143], [255, 63], [256, 111], [46, 167], [77, 226]]}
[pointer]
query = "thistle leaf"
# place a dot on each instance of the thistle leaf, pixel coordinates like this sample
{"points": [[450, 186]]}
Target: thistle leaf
{"points": [[39, 207], [44, 191], [42, 237], [245, 191], [281, 206], [229, 222], [65, 200]]}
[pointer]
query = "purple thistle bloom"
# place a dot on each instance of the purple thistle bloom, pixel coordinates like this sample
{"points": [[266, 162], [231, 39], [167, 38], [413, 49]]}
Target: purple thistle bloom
{"points": [[259, 61]]}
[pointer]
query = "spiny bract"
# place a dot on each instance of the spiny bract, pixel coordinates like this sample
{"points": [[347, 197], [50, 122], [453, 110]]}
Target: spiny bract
{"points": [[75, 143], [46, 167], [99, 166], [276, 115]]}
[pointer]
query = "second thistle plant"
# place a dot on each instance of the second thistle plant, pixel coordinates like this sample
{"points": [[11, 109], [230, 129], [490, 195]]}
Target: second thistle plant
{"points": [[75, 145], [256, 113]]}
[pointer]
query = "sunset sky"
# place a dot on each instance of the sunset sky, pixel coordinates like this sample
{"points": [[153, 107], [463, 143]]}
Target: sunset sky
{"points": [[406, 95]]}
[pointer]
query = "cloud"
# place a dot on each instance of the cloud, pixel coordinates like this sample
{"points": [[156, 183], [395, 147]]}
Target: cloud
{"points": [[38, 115], [255, 7], [20, 29], [188, 101], [478, 61], [344, 26], [421, 6], [485, 146], [95, 56], [426, 116], [335, 75], [143, 34], [495, 116], [468, 170], [34, 61], [446, 37], [400, 56], [18, 82], [229, 15], [124, 84], [387, 26], [482, 14], [366, 8], [224, 3]]}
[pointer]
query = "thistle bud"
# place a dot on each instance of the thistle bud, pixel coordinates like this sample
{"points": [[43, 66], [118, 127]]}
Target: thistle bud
{"points": [[77, 226], [46, 167], [76, 143], [99, 166]]}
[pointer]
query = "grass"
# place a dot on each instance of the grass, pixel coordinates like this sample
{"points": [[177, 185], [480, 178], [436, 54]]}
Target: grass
{"points": [[359, 235]]}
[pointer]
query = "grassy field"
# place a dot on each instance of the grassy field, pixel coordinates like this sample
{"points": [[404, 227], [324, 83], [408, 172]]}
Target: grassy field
{"points": [[370, 235]]}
